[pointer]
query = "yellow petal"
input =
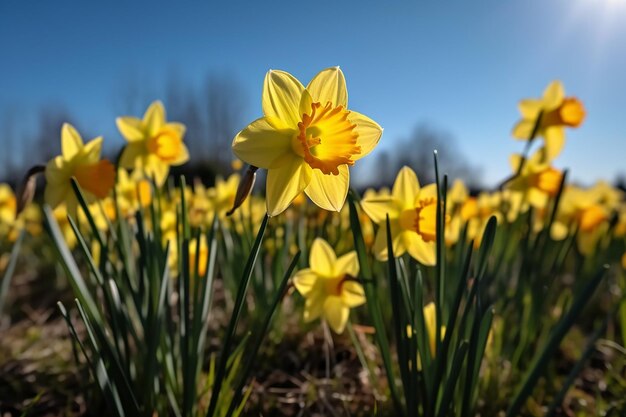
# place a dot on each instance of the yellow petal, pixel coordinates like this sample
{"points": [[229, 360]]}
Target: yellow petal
{"points": [[55, 194], [347, 264], [131, 128], [92, 151], [285, 183], [458, 192], [553, 95], [71, 142], [179, 128], [329, 191], [514, 162], [427, 192], [377, 208], [423, 252], [329, 85], [523, 129], [555, 139], [153, 167], [313, 307], [305, 107], [352, 294], [57, 172], [281, 99], [131, 155], [530, 108], [154, 118], [322, 258], [369, 133], [304, 281], [182, 157], [380, 242], [261, 145], [537, 198], [336, 313], [406, 187]]}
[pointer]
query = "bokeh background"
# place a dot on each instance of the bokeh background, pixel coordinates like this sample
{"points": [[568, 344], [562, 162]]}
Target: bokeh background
{"points": [[443, 75]]}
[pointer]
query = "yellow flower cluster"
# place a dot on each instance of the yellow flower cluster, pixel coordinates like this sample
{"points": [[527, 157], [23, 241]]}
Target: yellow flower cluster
{"points": [[307, 140]]}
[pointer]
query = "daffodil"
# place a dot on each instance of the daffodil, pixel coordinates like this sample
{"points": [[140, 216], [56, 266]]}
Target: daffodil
{"points": [[538, 181], [95, 177], [553, 112], [8, 204], [329, 285], [307, 139], [223, 194], [8, 207], [153, 143], [430, 320], [412, 214], [582, 210], [133, 191]]}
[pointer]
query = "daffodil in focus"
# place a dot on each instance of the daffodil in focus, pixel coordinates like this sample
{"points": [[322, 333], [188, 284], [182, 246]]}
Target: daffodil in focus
{"points": [[554, 111], [412, 214], [329, 285], [95, 177], [153, 143], [307, 139]]}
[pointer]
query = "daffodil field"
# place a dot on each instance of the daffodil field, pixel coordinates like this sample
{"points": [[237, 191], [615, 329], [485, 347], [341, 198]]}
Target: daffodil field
{"points": [[305, 296]]}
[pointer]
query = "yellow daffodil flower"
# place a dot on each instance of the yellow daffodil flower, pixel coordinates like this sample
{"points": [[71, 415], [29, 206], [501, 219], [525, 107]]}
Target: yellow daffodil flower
{"points": [[329, 285], [133, 191], [8, 207], [306, 139], [223, 194], [96, 177], [430, 320], [412, 214], [581, 209], [8, 204], [555, 112], [538, 181], [153, 143]]}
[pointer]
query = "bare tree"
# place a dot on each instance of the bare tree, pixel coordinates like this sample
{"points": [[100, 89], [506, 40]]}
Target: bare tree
{"points": [[416, 151], [225, 102], [8, 139], [46, 140]]}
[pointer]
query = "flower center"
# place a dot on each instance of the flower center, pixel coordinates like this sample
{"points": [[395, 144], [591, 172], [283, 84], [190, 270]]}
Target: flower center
{"points": [[98, 178], [326, 138], [570, 113], [334, 286], [421, 219], [167, 145]]}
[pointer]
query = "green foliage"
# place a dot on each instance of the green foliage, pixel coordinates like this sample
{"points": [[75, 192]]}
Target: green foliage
{"points": [[147, 352]]}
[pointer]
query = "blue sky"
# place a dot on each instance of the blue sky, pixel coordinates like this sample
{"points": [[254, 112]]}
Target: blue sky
{"points": [[460, 66]]}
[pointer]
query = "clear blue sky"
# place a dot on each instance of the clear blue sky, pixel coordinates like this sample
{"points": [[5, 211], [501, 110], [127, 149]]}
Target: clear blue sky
{"points": [[458, 65]]}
